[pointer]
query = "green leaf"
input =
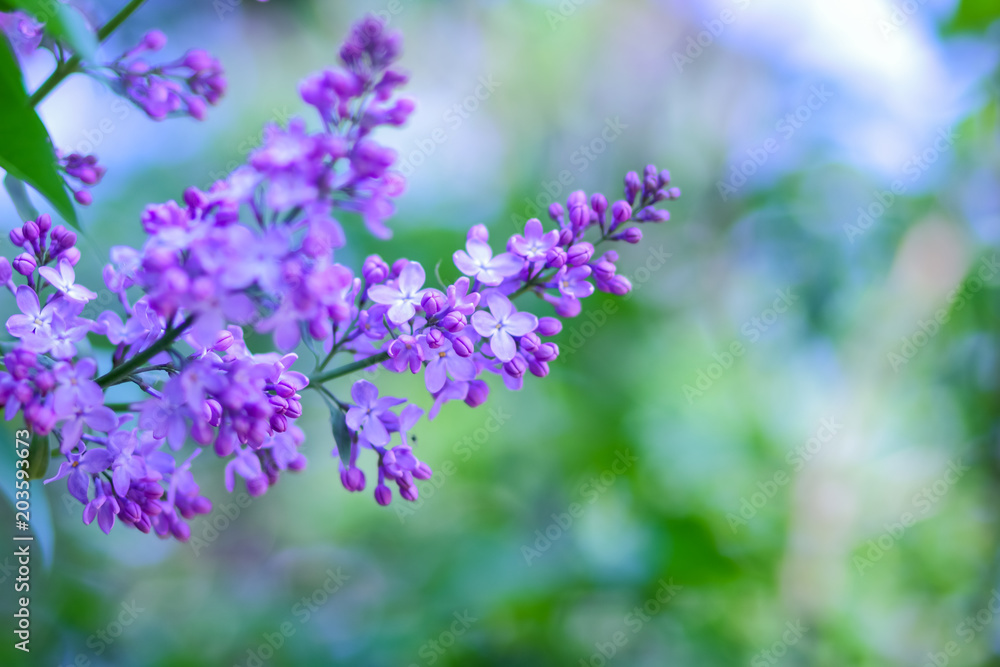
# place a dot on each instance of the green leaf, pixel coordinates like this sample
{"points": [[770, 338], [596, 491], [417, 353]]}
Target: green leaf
{"points": [[974, 16], [341, 434], [19, 195], [62, 22], [38, 457], [26, 151]]}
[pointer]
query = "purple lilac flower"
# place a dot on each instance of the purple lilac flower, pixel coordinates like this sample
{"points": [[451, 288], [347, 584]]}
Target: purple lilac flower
{"points": [[203, 275], [501, 324], [480, 263], [403, 297], [535, 243], [365, 416], [64, 279]]}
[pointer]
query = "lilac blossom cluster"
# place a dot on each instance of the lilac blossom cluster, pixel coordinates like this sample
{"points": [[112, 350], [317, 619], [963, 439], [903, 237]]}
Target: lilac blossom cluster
{"points": [[257, 250], [181, 87]]}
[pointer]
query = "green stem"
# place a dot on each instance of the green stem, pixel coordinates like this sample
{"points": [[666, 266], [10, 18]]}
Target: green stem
{"points": [[118, 373], [348, 368], [73, 64]]}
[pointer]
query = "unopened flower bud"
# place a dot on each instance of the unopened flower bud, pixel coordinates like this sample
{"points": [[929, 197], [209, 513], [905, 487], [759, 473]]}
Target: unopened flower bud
{"points": [[556, 211], [453, 322], [632, 186], [435, 338], [479, 391], [548, 326], [555, 257], [154, 40], [25, 264], [433, 302], [30, 230], [516, 366], [547, 352], [599, 203], [463, 346], [631, 235], [530, 342], [375, 270], [580, 253]]}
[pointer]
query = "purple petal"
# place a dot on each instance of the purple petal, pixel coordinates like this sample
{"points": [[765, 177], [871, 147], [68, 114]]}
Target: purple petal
{"points": [[520, 324], [464, 263], [72, 430], [287, 335], [411, 278], [499, 305], [52, 276], [121, 480], [409, 416], [435, 375], [480, 251], [354, 419], [506, 264], [401, 312], [106, 518], [375, 432], [101, 418], [79, 485], [364, 393], [461, 368], [384, 294], [503, 345], [20, 325], [96, 460], [533, 229], [484, 323], [27, 300]]}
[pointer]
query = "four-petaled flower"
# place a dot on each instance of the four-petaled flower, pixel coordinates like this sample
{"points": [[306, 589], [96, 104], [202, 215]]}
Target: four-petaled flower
{"points": [[365, 417], [404, 297], [573, 282], [480, 263], [502, 325], [535, 242], [63, 279]]}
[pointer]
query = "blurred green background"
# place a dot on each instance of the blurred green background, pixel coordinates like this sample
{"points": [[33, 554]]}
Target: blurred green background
{"points": [[780, 449]]}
